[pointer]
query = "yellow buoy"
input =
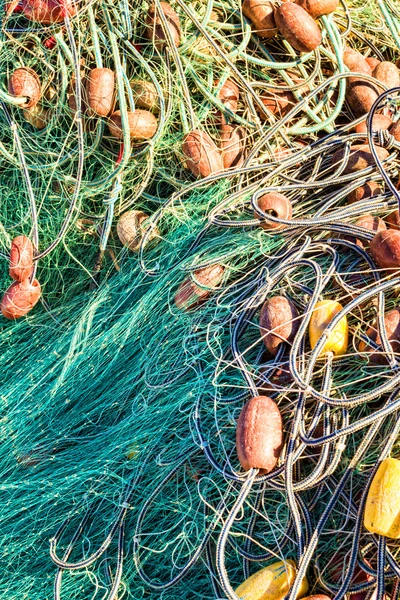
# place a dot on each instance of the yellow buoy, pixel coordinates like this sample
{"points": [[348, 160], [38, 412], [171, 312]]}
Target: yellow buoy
{"points": [[322, 315], [272, 583], [382, 509]]}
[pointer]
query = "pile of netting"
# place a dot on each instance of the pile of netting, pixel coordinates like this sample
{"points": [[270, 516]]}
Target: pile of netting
{"points": [[122, 388]]}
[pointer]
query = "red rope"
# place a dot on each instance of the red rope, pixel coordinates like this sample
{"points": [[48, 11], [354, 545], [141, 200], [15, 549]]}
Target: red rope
{"points": [[121, 151]]}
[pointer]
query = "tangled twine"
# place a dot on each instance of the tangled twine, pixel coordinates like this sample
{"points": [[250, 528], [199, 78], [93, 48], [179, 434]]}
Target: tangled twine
{"points": [[120, 410]]}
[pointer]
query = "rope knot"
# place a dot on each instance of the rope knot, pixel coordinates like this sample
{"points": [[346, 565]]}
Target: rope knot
{"points": [[112, 197], [385, 139]]}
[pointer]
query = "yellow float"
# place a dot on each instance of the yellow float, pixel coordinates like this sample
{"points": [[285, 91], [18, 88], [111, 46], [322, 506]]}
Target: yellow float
{"points": [[382, 509], [272, 583], [322, 315]]}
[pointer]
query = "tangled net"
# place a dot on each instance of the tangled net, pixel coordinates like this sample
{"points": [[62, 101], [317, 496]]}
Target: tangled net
{"points": [[119, 408]]}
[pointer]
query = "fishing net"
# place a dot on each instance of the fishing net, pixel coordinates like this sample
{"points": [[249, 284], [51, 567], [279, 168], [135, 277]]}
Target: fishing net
{"points": [[120, 477]]}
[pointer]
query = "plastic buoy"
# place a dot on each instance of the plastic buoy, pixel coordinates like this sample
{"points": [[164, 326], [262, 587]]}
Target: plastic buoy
{"points": [[272, 583], [322, 315], [382, 514]]}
